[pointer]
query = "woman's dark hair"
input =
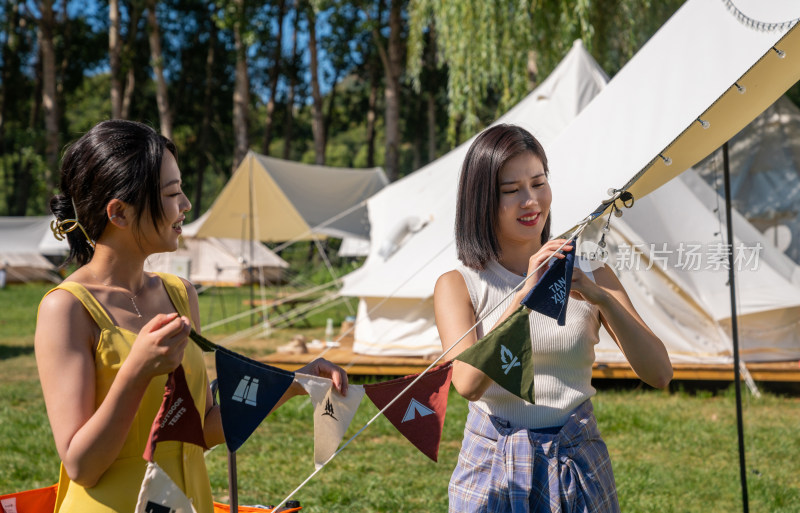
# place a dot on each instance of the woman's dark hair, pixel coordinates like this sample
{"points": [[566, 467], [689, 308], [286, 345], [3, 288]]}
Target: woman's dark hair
{"points": [[479, 194], [116, 159]]}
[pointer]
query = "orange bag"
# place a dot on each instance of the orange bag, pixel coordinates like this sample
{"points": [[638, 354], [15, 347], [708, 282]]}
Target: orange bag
{"points": [[40, 500], [43, 500], [224, 508]]}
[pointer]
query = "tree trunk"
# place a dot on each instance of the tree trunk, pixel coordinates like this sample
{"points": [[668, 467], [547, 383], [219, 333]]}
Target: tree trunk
{"points": [[11, 66], [205, 127], [164, 115], [317, 124], [371, 117], [430, 63], [114, 54], [328, 119], [49, 101], [391, 57], [287, 137], [241, 90], [274, 75], [129, 52], [431, 126]]}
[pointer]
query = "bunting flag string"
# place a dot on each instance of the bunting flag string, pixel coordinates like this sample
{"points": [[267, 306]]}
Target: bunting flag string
{"points": [[178, 418], [248, 390], [333, 413], [159, 493], [578, 230], [419, 415]]}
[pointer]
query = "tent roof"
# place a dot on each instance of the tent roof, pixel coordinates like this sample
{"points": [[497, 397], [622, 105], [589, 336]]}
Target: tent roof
{"points": [[428, 196], [765, 172], [30, 234], [291, 200], [685, 72]]}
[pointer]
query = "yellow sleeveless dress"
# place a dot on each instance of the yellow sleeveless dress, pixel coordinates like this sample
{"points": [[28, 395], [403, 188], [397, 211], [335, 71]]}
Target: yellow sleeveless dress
{"points": [[118, 488]]}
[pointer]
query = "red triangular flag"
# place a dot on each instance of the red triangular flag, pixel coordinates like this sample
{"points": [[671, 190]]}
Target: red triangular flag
{"points": [[419, 413], [178, 418]]}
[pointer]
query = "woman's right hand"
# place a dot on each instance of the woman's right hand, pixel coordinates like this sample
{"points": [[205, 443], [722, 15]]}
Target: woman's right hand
{"points": [[536, 260], [159, 347]]}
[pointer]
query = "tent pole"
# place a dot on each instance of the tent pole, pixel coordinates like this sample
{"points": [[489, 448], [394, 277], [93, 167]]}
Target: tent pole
{"points": [[233, 486], [734, 329], [252, 237]]}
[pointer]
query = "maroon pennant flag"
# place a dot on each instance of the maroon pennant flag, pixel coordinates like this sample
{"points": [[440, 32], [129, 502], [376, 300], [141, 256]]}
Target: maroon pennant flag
{"points": [[419, 413], [178, 418]]}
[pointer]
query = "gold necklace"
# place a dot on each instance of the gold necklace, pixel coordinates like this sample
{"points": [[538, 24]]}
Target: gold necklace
{"points": [[132, 298]]}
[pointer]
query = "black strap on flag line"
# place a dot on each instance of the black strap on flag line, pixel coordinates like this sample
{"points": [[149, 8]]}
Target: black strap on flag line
{"points": [[206, 345]]}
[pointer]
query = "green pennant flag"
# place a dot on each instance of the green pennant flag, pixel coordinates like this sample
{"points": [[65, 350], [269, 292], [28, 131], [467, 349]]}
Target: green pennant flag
{"points": [[505, 355]]}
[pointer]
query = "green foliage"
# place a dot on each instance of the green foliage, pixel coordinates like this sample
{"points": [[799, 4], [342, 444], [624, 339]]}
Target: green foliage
{"points": [[487, 45]]}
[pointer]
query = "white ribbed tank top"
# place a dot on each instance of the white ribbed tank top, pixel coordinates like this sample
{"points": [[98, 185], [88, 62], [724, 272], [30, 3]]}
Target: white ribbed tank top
{"points": [[562, 355]]}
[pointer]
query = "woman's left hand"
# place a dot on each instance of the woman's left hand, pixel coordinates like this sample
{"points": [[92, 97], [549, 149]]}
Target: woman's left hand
{"points": [[325, 369], [584, 288]]}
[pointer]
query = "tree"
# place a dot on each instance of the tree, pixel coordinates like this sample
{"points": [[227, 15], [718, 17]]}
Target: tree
{"points": [[157, 61], [391, 55], [292, 72], [114, 55], [273, 77], [318, 123], [489, 73], [241, 90], [49, 100]]}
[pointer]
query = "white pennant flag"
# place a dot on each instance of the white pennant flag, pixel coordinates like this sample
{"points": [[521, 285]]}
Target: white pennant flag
{"points": [[333, 413], [159, 494]]}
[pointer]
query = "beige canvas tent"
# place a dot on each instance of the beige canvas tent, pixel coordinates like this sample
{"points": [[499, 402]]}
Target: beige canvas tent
{"points": [[274, 200], [220, 262]]}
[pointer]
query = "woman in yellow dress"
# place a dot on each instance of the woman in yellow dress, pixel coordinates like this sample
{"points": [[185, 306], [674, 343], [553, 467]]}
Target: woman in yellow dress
{"points": [[107, 337]]}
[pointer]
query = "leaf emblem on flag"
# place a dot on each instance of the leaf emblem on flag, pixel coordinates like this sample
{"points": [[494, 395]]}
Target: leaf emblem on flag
{"points": [[511, 339], [509, 360]]}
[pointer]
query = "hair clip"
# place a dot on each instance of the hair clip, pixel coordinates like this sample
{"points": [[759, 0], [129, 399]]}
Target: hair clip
{"points": [[60, 229]]}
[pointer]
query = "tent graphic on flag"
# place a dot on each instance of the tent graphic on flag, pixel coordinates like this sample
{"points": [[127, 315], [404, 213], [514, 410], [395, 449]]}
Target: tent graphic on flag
{"points": [[416, 409], [419, 413]]}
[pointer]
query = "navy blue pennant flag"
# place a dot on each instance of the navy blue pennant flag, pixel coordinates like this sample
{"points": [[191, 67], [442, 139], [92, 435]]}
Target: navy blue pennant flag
{"points": [[248, 390], [551, 293]]}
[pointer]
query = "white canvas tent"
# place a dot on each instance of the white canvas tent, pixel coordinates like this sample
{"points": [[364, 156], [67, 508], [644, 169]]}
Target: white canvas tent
{"points": [[292, 201], [667, 250], [26, 243], [765, 174], [689, 69], [407, 254], [221, 262]]}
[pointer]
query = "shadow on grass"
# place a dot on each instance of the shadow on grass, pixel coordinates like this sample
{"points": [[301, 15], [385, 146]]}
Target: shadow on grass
{"points": [[7, 352]]}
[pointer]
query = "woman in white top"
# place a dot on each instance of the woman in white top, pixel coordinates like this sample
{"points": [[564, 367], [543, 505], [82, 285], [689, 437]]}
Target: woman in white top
{"points": [[518, 456]]}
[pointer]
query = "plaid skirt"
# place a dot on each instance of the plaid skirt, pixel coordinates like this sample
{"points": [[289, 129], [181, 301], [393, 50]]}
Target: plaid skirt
{"points": [[506, 469]]}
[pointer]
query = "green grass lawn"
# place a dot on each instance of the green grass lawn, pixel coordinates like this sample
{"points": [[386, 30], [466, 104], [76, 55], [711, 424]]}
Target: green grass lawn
{"points": [[672, 451]]}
